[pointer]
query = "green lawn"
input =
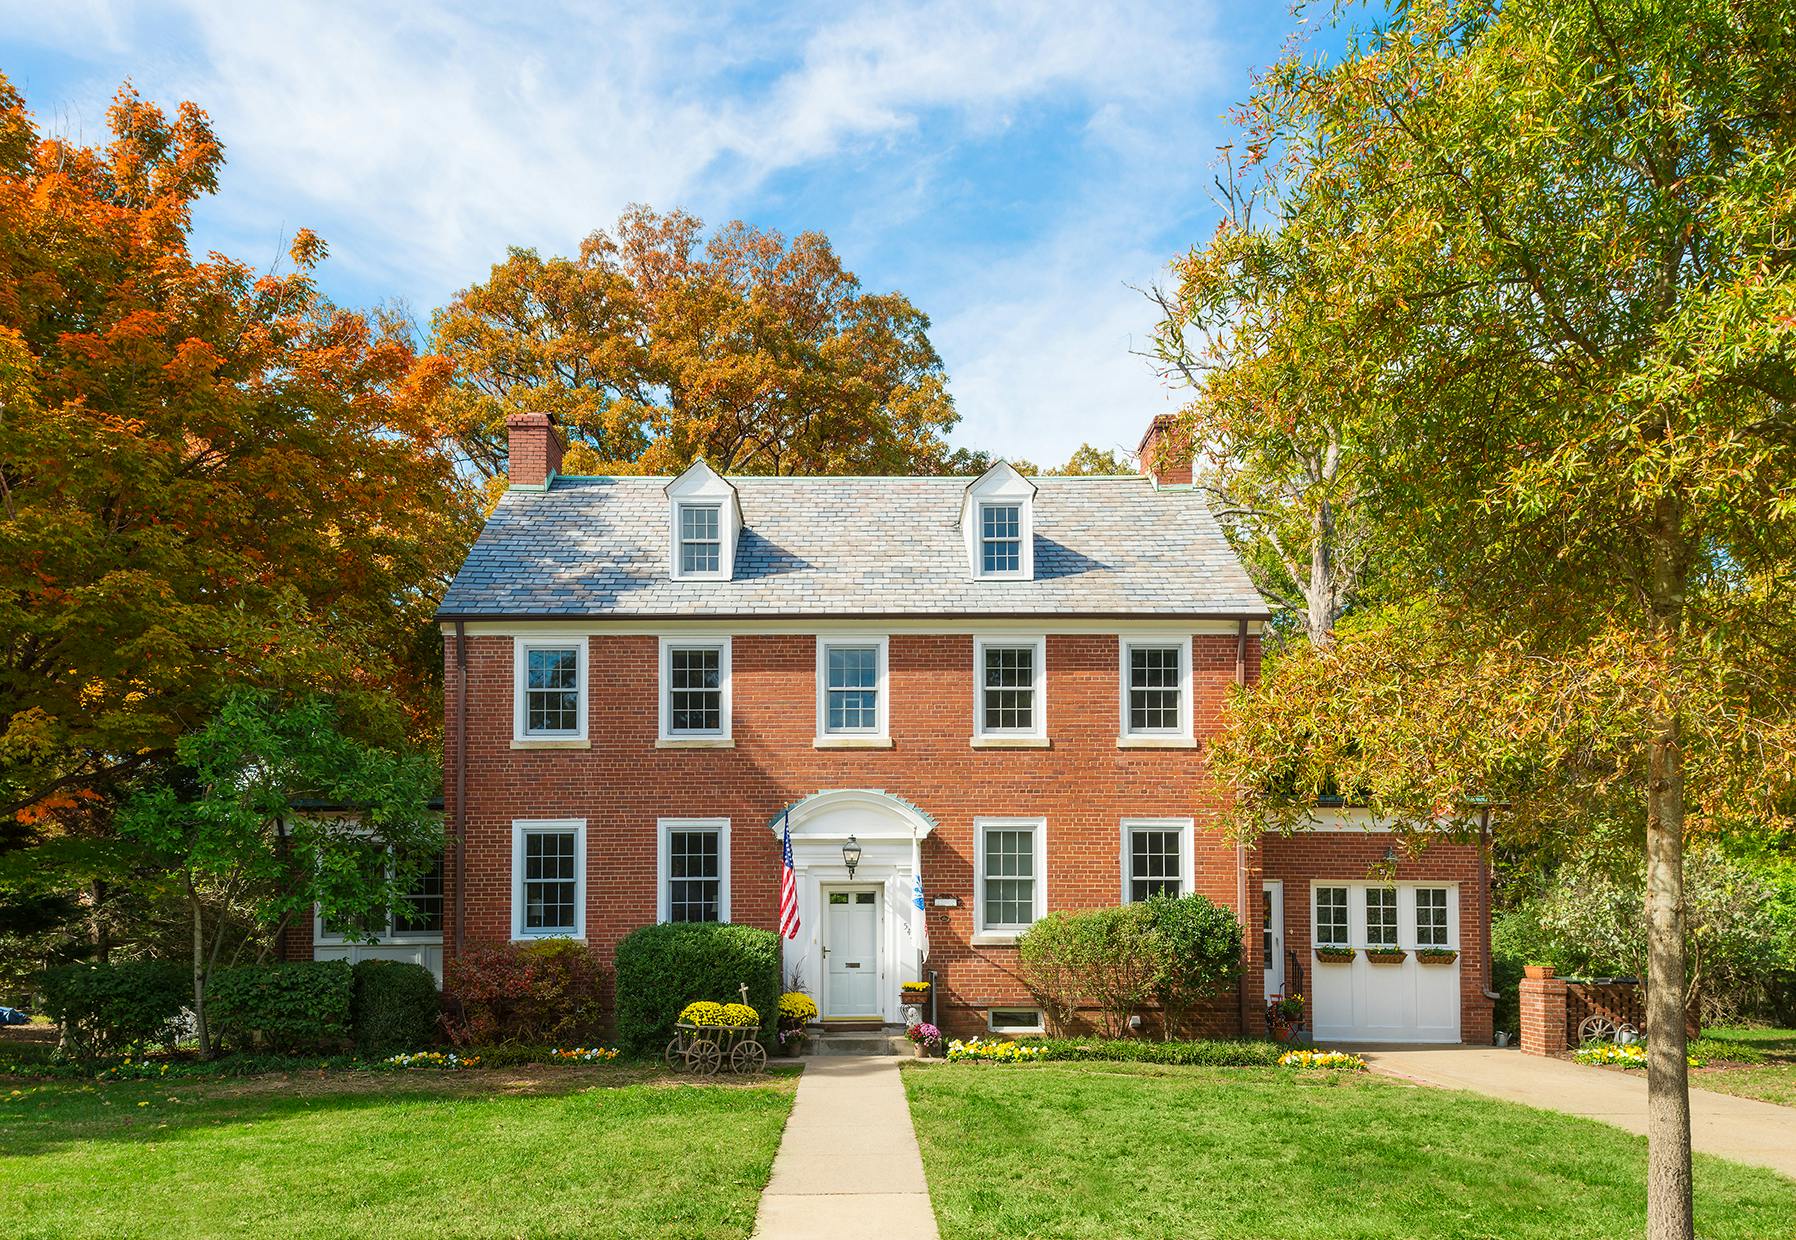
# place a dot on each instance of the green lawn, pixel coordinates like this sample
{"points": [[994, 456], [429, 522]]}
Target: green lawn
{"points": [[1770, 1074], [1117, 1151], [550, 1151]]}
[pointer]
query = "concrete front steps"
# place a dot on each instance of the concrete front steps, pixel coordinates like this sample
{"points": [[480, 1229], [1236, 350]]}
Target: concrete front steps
{"points": [[880, 1040]]}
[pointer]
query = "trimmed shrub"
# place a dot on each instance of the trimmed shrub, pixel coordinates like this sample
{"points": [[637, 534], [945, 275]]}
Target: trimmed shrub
{"points": [[394, 1007], [300, 1006], [107, 1007], [1220, 1053], [1197, 955], [547, 992], [660, 969]]}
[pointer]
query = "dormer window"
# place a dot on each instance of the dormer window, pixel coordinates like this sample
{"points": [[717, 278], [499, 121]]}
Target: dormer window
{"points": [[704, 521], [997, 517], [1000, 539], [700, 546]]}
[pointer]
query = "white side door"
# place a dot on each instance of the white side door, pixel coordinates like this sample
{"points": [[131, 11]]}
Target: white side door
{"points": [[1272, 936], [851, 953]]}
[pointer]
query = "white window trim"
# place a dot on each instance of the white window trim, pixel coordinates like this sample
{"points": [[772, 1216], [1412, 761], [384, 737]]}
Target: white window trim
{"points": [[1025, 517], [667, 737], [1038, 1027], [521, 827], [1316, 888], [390, 936], [981, 826], [664, 867], [1187, 852], [984, 737], [881, 736], [520, 679], [726, 550], [1128, 737]]}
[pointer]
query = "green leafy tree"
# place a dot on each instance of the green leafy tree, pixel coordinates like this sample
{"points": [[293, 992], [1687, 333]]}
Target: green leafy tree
{"points": [[1087, 460], [1561, 232], [1197, 945], [223, 821]]}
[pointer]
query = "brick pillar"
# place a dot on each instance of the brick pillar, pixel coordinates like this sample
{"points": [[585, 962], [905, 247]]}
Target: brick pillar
{"points": [[533, 451], [1543, 1011]]}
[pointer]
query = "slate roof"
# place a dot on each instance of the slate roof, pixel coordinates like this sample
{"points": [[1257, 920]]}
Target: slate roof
{"points": [[820, 547]]}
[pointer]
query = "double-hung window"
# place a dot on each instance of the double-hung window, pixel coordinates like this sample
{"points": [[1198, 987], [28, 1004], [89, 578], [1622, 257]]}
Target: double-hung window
{"points": [[1156, 859], [548, 879], [550, 699], [1431, 917], [1000, 540], [1011, 886], [695, 870], [851, 690], [695, 688], [1381, 917], [701, 539], [1331, 917], [1156, 689], [1009, 688]]}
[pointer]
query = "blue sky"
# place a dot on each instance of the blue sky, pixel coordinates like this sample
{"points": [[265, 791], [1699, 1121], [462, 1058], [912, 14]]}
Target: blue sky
{"points": [[1014, 169]]}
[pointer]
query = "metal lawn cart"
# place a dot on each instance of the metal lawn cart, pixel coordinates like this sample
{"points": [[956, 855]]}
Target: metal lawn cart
{"points": [[707, 1049]]}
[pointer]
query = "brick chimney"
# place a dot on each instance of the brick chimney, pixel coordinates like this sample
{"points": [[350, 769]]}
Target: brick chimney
{"points": [[1164, 456], [533, 450]]}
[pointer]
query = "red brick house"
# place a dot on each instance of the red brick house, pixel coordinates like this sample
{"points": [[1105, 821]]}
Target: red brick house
{"points": [[1007, 683]]}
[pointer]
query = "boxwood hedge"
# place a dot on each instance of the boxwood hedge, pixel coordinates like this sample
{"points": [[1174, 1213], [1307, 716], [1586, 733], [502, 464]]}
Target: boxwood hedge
{"points": [[660, 969]]}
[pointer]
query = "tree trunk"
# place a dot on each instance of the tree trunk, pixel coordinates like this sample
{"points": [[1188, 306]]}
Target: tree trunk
{"points": [[1668, 1201], [199, 973], [1320, 596]]}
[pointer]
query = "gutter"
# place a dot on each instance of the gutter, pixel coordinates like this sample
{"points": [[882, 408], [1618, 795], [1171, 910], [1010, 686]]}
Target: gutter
{"points": [[461, 785], [837, 617], [1241, 845]]}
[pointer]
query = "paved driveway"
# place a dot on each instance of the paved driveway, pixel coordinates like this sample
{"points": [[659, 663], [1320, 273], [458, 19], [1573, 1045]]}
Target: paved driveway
{"points": [[1760, 1133]]}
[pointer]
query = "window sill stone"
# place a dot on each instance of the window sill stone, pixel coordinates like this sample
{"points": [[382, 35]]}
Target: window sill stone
{"points": [[1010, 742], [995, 938], [1155, 742], [695, 742], [853, 742], [547, 743]]}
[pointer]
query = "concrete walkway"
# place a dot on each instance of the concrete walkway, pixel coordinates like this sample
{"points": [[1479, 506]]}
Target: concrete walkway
{"points": [[848, 1165], [1760, 1133]]}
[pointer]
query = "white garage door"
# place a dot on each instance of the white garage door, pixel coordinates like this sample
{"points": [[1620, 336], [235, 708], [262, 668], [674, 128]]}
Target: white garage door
{"points": [[1365, 1002]]}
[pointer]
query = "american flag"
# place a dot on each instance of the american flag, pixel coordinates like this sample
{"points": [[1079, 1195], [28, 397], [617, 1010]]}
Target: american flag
{"points": [[788, 887]]}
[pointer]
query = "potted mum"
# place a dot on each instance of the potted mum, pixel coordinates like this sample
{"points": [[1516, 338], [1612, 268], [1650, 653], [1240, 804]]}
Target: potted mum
{"points": [[925, 1037], [913, 995], [796, 1010]]}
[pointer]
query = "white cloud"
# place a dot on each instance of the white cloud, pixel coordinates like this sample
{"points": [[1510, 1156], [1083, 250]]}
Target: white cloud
{"points": [[421, 140]]}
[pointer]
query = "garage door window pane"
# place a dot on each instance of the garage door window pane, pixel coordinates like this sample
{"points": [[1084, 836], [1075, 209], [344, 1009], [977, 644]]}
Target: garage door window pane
{"points": [[1381, 917], [1331, 916], [1431, 917]]}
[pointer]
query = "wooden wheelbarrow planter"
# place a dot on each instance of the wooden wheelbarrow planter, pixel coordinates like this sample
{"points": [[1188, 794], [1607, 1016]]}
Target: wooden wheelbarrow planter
{"points": [[705, 1050]]}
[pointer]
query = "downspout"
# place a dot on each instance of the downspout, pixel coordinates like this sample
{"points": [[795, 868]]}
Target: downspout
{"points": [[461, 785], [1484, 894], [1241, 845]]}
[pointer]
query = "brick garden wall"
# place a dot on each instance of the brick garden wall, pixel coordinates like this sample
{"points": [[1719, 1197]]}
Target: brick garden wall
{"points": [[1084, 785]]}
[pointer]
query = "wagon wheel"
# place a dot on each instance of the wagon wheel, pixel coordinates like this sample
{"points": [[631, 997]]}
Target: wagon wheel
{"points": [[672, 1054], [1597, 1028], [749, 1056], [704, 1057]]}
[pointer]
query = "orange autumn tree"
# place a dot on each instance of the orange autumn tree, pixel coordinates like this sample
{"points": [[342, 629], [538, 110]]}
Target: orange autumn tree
{"points": [[657, 345], [209, 475]]}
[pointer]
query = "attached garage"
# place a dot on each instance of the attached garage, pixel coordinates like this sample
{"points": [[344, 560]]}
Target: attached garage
{"points": [[1393, 1000]]}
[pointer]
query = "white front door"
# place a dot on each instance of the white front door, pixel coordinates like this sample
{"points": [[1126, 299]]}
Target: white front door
{"points": [[851, 952], [1272, 935]]}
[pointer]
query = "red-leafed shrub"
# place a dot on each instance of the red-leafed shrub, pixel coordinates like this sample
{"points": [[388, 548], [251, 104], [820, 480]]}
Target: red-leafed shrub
{"points": [[539, 993]]}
